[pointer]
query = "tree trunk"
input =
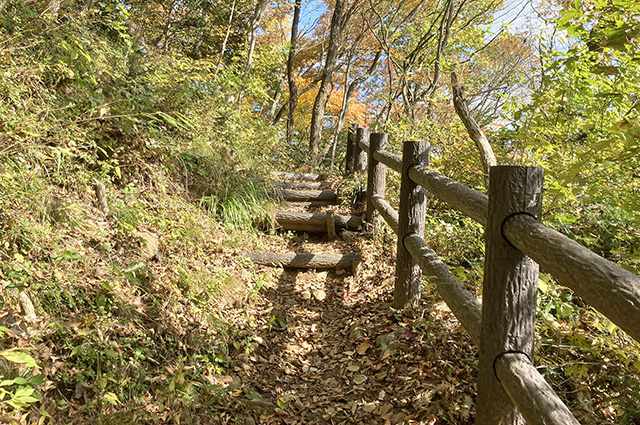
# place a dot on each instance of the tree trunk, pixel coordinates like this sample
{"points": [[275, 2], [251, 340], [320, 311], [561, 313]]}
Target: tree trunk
{"points": [[349, 90], [320, 105], [344, 110], [226, 38], [293, 88], [274, 103], [258, 13]]}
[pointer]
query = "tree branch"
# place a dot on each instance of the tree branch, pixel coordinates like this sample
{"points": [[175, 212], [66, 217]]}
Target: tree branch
{"points": [[477, 135]]}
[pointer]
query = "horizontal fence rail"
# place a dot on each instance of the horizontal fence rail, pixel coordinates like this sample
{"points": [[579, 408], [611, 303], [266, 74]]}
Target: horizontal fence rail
{"points": [[535, 399], [462, 303], [390, 160], [612, 290], [469, 202], [388, 213]]}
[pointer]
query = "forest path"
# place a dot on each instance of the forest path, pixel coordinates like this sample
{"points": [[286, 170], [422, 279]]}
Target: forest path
{"points": [[328, 349]]}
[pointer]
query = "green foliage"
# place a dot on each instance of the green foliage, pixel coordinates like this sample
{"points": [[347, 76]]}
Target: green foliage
{"points": [[84, 100], [18, 392], [595, 357], [582, 125]]}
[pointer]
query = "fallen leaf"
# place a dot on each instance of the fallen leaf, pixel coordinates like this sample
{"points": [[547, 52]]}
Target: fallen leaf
{"points": [[359, 379], [363, 347], [370, 407]]}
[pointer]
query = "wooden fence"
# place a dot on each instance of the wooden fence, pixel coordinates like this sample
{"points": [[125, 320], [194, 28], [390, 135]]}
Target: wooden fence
{"points": [[510, 389]]}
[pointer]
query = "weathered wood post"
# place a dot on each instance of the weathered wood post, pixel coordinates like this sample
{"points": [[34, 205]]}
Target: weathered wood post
{"points": [[331, 225], [360, 156], [411, 217], [351, 143], [376, 179], [509, 289]]}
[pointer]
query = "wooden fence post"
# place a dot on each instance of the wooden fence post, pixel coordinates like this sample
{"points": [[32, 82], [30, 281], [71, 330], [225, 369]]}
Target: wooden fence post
{"points": [[411, 218], [509, 289], [331, 225], [351, 143], [376, 179], [360, 156]]}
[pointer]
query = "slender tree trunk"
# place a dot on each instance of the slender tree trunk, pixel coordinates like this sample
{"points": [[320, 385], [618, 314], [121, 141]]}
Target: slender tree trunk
{"points": [[274, 103], [344, 110], [320, 104], [226, 37], [293, 88], [348, 94], [258, 13], [284, 108]]}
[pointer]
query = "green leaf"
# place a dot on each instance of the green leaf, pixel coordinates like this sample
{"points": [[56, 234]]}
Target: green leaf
{"points": [[542, 286], [36, 380], [611, 327], [577, 371], [111, 398], [20, 380], [19, 357]]}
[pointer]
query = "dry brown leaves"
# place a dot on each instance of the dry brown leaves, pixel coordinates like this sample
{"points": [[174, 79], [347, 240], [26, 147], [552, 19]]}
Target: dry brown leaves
{"points": [[328, 349]]}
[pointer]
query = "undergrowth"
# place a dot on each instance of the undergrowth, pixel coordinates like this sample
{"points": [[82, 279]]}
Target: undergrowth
{"points": [[118, 316]]}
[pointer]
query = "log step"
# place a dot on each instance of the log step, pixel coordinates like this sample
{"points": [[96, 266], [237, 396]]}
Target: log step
{"points": [[315, 222], [311, 204], [301, 185], [307, 195], [306, 260], [299, 176]]}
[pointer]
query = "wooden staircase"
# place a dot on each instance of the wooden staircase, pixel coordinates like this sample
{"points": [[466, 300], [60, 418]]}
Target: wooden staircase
{"points": [[309, 190]]}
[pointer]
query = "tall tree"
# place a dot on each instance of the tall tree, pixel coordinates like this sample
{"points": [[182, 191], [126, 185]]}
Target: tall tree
{"points": [[291, 79], [339, 20], [226, 36], [254, 24], [350, 87]]}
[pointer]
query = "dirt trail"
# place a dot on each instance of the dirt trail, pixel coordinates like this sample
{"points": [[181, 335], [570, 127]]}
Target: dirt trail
{"points": [[327, 349]]}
